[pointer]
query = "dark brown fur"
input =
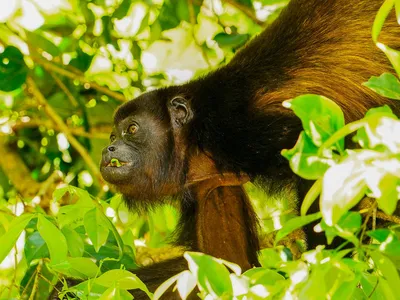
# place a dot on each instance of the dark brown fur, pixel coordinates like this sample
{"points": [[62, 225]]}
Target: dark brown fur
{"points": [[232, 122]]}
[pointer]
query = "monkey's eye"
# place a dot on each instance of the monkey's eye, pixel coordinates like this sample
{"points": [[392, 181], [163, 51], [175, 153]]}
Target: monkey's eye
{"points": [[112, 138], [132, 128]]}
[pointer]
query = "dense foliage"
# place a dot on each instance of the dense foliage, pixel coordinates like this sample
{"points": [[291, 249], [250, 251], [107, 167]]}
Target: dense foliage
{"points": [[65, 65]]}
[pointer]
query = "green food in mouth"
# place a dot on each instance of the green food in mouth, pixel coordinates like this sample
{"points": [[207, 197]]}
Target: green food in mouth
{"points": [[115, 163]]}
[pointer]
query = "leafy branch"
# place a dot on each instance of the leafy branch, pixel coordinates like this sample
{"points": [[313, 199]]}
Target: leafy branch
{"points": [[51, 113]]}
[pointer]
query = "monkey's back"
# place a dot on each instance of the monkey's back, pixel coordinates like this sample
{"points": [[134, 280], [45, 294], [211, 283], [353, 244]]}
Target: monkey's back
{"points": [[314, 47]]}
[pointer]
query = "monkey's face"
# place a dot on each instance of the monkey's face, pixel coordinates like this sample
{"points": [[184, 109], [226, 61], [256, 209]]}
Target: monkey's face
{"points": [[143, 160]]}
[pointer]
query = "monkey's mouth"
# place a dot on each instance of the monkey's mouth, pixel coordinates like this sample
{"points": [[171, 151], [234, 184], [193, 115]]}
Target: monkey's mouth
{"points": [[114, 162]]}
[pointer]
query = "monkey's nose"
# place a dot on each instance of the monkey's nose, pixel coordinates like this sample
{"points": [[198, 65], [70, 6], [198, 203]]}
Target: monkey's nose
{"points": [[111, 148]]}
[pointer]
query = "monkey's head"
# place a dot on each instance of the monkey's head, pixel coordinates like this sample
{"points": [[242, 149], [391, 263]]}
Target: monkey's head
{"points": [[146, 159]]}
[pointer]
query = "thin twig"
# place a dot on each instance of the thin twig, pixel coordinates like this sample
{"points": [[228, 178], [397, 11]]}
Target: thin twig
{"points": [[67, 92], [74, 76], [247, 11], [50, 283], [369, 214], [15, 270], [51, 113], [95, 132], [36, 282], [27, 284]]}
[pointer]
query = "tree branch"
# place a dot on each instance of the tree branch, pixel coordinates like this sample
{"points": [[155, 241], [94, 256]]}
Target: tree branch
{"points": [[97, 132], [93, 168], [49, 66], [247, 11]]}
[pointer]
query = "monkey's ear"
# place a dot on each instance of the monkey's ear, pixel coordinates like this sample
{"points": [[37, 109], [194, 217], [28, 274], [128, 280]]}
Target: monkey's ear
{"points": [[180, 111]]}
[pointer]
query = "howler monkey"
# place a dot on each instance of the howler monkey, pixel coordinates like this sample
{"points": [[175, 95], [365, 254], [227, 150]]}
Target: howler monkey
{"points": [[202, 140]]}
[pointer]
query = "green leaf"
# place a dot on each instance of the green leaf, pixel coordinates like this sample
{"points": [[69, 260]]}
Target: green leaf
{"points": [[304, 161], [380, 132], [386, 85], [389, 242], [346, 228], [106, 37], [61, 25], [111, 293], [167, 16], [74, 242], [397, 8], [13, 70], [269, 258], [95, 228], [343, 186], [84, 265], [375, 287], [85, 200], [85, 290], [9, 239], [54, 239], [380, 19], [182, 10], [82, 61], [35, 247], [389, 271], [37, 39], [392, 55], [311, 196], [122, 9], [384, 110], [116, 294], [295, 223], [263, 276], [231, 40], [212, 276], [122, 279], [320, 116], [387, 201]]}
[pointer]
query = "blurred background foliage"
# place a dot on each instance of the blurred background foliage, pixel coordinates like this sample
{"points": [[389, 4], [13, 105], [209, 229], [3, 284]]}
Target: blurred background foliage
{"points": [[65, 65]]}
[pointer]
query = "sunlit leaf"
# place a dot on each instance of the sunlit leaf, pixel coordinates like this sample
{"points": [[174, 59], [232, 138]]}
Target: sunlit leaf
{"points": [[166, 285], [320, 116], [84, 265], [294, 224], [122, 279], [96, 228], [269, 258], [212, 276], [380, 132], [381, 18], [346, 228], [54, 239], [343, 186], [389, 271], [74, 242], [386, 85], [304, 160], [37, 39], [263, 276], [390, 243], [9, 239], [186, 283], [387, 200], [392, 55]]}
